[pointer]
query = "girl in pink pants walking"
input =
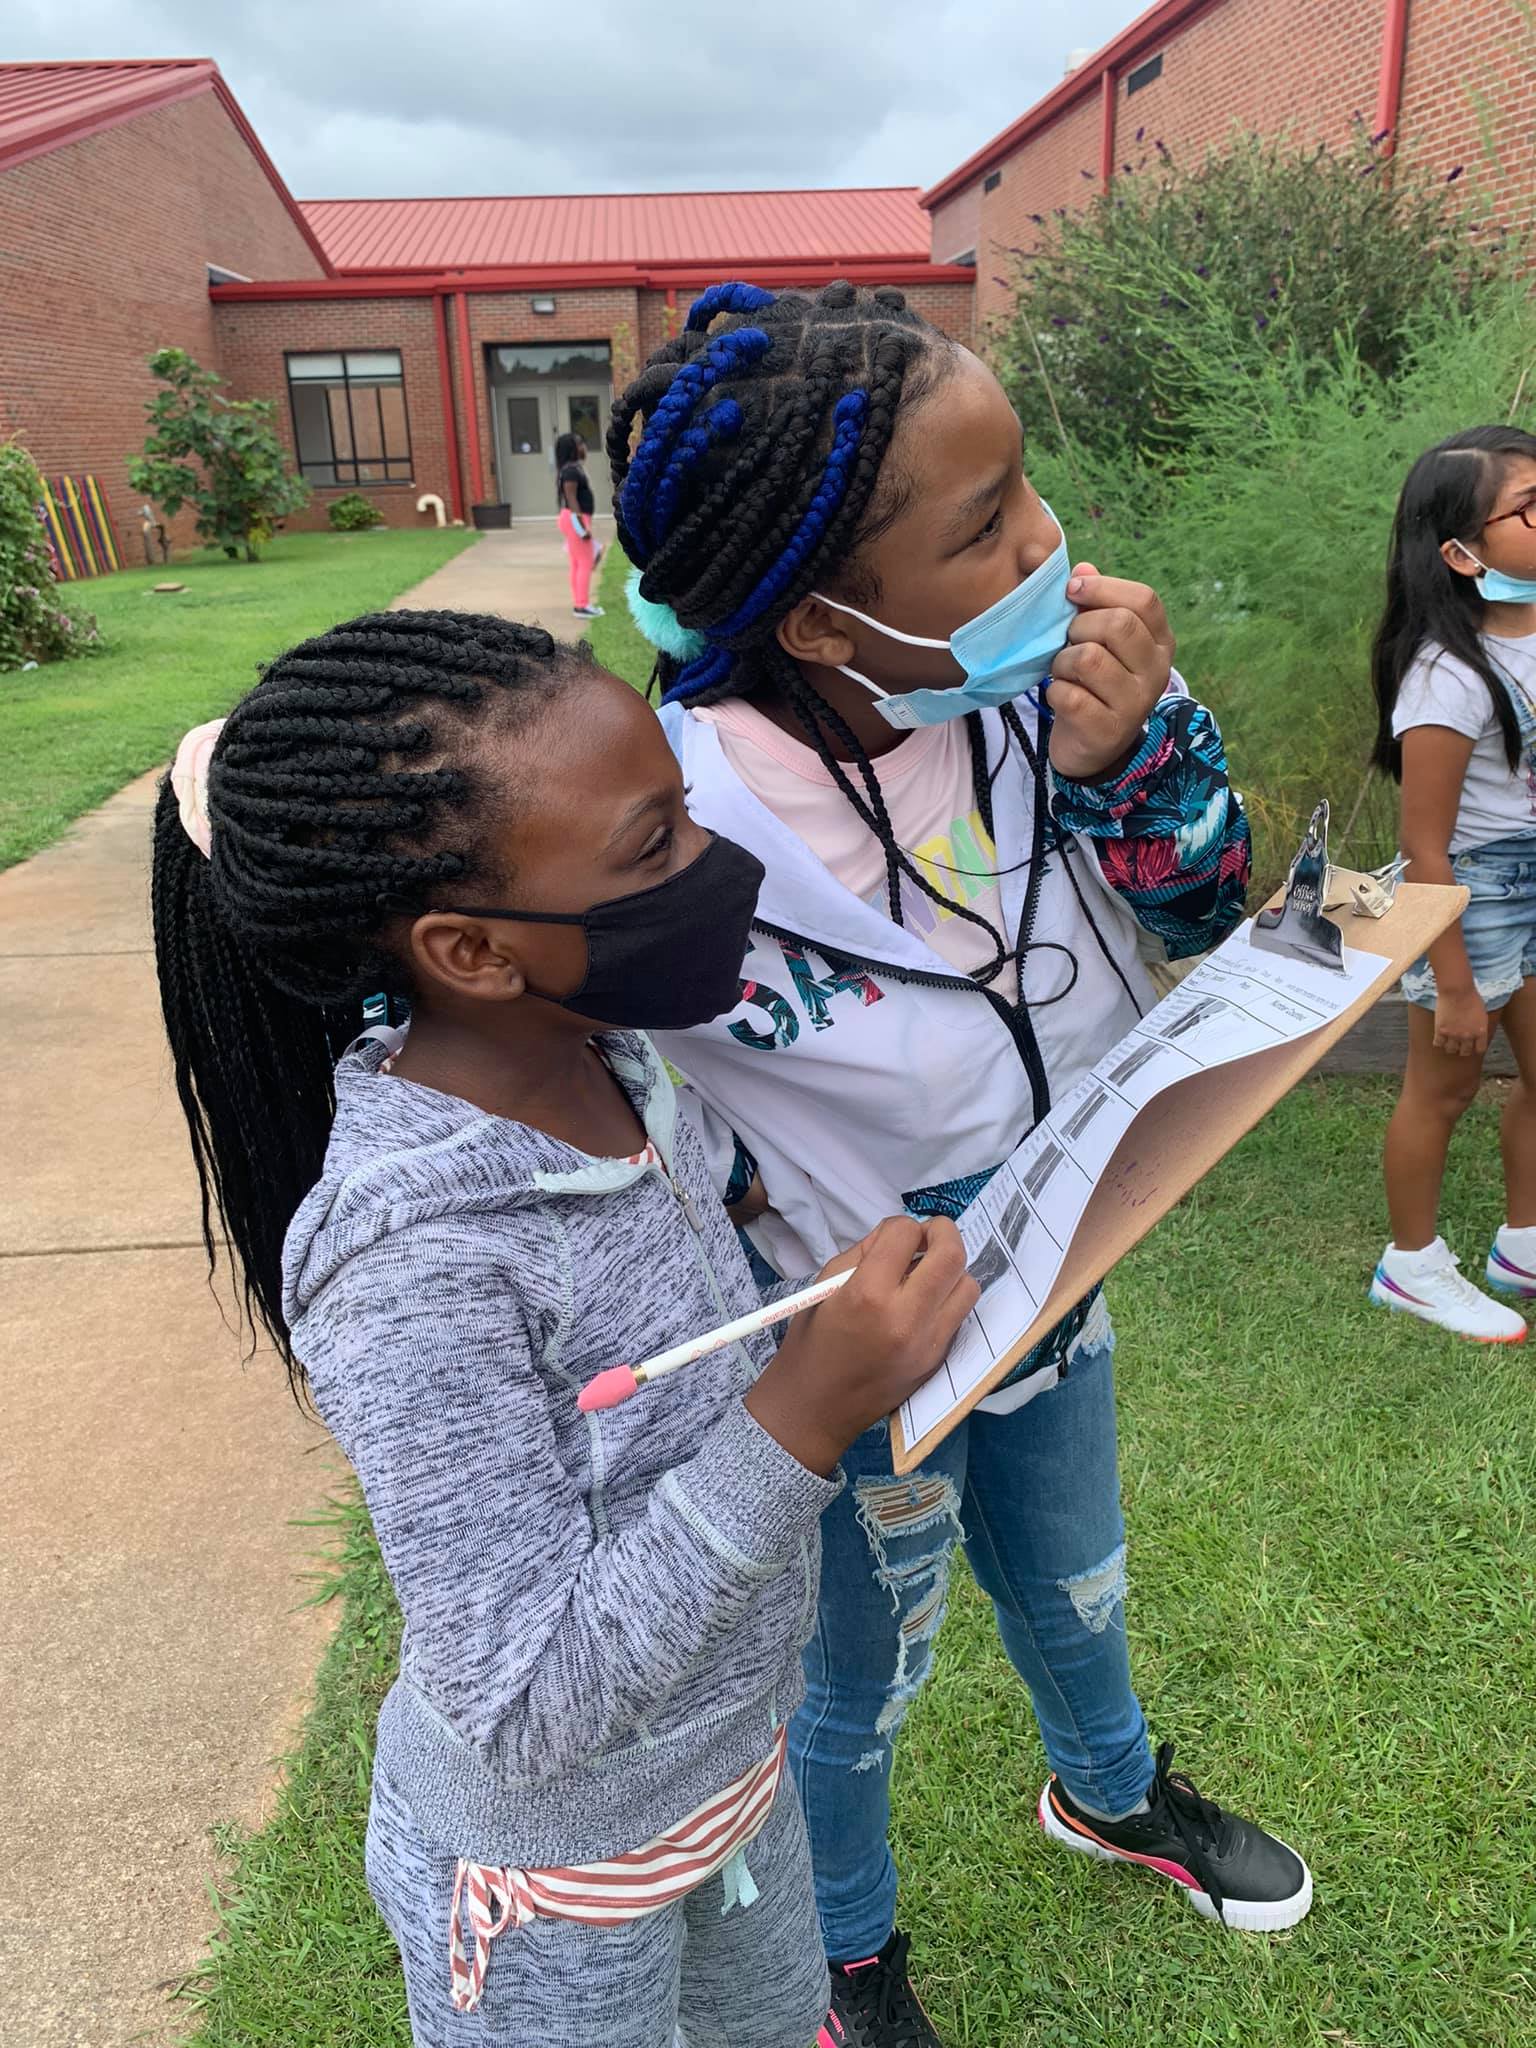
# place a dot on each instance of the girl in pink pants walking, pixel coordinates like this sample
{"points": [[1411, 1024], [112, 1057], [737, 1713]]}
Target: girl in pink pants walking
{"points": [[577, 506]]}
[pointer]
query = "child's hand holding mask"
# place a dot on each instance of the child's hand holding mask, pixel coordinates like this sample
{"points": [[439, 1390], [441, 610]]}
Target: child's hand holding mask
{"points": [[1110, 674]]}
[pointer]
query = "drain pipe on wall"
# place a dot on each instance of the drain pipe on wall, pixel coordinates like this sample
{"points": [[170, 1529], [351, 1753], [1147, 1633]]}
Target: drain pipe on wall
{"points": [[450, 424], [1389, 95], [471, 401]]}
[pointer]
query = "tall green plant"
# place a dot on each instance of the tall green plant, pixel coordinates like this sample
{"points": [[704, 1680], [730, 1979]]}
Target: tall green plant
{"points": [[1260, 253], [218, 454], [1270, 551], [36, 625]]}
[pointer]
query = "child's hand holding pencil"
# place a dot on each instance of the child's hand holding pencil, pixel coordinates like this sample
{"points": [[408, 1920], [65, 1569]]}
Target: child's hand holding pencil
{"points": [[872, 1326]]}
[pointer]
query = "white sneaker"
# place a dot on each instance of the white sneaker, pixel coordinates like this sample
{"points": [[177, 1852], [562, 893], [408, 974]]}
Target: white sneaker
{"points": [[1429, 1285], [1512, 1262], [588, 611]]}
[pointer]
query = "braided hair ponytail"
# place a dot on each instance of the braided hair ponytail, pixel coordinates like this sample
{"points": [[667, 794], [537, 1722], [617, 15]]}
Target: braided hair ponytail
{"points": [[755, 476], [343, 792]]}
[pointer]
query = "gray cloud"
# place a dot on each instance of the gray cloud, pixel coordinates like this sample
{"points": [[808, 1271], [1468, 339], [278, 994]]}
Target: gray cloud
{"points": [[384, 99]]}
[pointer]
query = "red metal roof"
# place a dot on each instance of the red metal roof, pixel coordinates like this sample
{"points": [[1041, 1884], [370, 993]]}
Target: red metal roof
{"points": [[45, 106], [737, 229]]}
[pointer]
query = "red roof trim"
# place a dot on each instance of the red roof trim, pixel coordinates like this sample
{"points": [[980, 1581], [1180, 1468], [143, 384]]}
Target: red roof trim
{"points": [[164, 83], [552, 277], [1159, 22]]}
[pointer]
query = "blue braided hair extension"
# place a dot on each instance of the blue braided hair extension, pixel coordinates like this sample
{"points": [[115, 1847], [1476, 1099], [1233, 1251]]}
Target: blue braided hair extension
{"points": [[702, 673], [721, 423], [733, 297], [713, 664], [848, 418], [725, 354]]}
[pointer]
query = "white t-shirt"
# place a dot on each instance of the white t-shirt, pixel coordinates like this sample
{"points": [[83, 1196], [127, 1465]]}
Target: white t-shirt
{"points": [[1497, 802]]}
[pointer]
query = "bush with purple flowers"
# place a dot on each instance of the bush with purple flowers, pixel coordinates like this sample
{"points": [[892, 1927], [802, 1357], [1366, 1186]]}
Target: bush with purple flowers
{"points": [[36, 625], [1262, 251]]}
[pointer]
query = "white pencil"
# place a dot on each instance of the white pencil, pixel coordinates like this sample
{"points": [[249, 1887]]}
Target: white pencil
{"points": [[618, 1382]]}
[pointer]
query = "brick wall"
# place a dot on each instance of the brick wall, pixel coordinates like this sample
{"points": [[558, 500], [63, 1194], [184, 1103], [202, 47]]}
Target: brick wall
{"points": [[1472, 63], [957, 224], [950, 306], [1055, 168], [656, 322], [1309, 66], [103, 251], [1306, 66], [252, 340]]}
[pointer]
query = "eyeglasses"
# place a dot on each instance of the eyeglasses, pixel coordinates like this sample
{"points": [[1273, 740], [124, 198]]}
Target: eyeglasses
{"points": [[1526, 513]]}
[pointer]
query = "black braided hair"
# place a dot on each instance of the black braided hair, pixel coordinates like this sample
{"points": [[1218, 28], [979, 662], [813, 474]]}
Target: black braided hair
{"points": [[343, 792], [757, 474]]}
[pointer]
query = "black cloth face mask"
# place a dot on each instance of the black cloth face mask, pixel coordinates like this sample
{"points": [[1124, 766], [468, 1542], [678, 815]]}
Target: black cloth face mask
{"points": [[667, 957]]}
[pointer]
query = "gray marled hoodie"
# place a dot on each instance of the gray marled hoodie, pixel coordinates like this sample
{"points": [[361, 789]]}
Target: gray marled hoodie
{"points": [[603, 1614]]}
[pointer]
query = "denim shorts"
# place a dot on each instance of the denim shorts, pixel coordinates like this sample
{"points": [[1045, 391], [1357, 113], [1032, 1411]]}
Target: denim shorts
{"points": [[1499, 924]]}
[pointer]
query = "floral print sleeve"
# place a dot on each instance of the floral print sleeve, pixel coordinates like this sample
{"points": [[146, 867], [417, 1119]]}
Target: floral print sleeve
{"points": [[1169, 830]]}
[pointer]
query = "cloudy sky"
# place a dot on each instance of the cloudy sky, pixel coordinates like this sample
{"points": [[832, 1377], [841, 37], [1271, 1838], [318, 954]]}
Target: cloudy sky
{"points": [[373, 98]]}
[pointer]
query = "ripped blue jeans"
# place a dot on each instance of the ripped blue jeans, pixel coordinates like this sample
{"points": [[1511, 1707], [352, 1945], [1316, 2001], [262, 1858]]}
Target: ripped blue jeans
{"points": [[1035, 1497]]}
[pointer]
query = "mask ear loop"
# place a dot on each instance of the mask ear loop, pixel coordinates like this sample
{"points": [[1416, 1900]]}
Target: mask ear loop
{"points": [[1470, 556], [890, 632]]}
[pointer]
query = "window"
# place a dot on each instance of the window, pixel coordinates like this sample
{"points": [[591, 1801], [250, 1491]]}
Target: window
{"points": [[349, 422], [991, 182], [1145, 73]]}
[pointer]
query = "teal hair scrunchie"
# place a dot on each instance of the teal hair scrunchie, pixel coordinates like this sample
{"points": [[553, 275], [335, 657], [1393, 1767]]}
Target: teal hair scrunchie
{"points": [[660, 626]]}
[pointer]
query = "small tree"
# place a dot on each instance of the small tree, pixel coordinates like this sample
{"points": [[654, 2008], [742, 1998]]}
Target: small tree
{"points": [[35, 624], [220, 455]]}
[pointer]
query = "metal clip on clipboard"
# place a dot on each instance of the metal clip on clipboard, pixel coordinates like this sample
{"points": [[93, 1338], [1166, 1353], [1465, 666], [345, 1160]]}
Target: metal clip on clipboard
{"points": [[1297, 926]]}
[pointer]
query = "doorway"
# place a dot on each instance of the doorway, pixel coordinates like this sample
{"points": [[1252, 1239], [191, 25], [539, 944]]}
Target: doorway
{"points": [[540, 391]]}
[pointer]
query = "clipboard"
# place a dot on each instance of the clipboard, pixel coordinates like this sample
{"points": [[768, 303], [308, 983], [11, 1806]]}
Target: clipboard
{"points": [[1175, 1140]]}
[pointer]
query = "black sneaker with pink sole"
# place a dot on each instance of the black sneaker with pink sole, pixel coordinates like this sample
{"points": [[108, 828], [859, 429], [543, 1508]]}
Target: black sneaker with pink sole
{"points": [[874, 2005], [1231, 1870]]}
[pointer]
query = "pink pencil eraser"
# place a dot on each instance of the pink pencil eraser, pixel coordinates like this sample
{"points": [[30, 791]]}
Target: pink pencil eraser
{"points": [[608, 1389]]}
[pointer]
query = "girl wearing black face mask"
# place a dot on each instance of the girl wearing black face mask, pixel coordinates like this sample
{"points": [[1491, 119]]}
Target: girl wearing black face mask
{"points": [[447, 1234]]}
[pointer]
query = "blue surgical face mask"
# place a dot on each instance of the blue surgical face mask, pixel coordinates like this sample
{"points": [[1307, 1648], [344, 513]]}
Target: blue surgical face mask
{"points": [[1498, 588], [1003, 650]]}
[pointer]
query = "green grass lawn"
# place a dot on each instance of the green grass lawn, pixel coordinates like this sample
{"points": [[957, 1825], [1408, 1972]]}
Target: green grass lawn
{"points": [[615, 640], [74, 732], [1331, 1539]]}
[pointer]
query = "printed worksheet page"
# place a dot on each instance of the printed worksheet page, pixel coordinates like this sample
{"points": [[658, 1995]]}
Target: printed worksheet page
{"points": [[1017, 1232]]}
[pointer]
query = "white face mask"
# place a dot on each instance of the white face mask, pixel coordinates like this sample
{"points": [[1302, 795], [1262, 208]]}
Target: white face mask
{"points": [[1003, 650]]}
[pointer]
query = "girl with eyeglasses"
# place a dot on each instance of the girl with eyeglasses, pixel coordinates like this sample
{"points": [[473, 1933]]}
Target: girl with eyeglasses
{"points": [[1454, 669]]}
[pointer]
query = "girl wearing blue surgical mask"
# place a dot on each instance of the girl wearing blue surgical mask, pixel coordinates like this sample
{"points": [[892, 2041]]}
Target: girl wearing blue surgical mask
{"points": [[1455, 677], [981, 796]]}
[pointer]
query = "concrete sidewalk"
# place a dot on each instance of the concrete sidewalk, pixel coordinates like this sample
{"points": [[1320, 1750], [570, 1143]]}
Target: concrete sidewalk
{"points": [[154, 1658], [520, 573]]}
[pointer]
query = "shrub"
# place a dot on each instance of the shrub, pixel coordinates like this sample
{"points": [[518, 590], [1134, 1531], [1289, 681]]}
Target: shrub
{"points": [[218, 454], [35, 622], [354, 513], [1270, 552], [1260, 253]]}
